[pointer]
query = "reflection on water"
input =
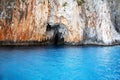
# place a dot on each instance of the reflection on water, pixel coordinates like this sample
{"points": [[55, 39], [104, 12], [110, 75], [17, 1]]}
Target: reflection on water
{"points": [[60, 63]]}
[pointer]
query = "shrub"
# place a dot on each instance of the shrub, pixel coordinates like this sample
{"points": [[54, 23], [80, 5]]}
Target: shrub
{"points": [[64, 4], [80, 2]]}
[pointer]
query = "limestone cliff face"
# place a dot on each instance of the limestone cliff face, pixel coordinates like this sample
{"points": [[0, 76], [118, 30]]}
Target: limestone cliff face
{"points": [[72, 22]]}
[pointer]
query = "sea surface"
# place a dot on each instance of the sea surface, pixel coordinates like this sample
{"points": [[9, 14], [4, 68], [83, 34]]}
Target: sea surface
{"points": [[60, 63]]}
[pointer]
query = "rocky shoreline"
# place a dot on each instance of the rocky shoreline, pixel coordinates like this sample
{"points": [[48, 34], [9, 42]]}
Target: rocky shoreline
{"points": [[48, 43]]}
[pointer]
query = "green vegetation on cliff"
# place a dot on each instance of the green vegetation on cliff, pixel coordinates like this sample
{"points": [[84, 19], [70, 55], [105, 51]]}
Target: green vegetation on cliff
{"points": [[80, 2]]}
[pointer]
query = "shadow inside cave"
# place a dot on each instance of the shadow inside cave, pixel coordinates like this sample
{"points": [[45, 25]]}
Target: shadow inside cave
{"points": [[59, 31]]}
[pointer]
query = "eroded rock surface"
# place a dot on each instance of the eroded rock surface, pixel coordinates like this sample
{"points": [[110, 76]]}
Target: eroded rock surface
{"points": [[73, 22]]}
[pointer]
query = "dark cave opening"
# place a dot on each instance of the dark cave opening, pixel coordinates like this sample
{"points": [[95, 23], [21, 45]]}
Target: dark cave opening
{"points": [[57, 38], [48, 27]]}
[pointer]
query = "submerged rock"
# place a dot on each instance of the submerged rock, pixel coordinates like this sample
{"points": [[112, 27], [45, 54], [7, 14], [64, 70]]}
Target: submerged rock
{"points": [[73, 22]]}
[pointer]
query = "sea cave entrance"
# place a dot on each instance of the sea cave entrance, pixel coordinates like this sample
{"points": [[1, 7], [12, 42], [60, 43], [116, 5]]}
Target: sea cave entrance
{"points": [[60, 32]]}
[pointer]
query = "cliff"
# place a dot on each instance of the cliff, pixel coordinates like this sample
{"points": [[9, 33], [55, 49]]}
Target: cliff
{"points": [[73, 22]]}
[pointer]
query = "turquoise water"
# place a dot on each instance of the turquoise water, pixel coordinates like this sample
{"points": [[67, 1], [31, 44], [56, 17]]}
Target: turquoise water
{"points": [[60, 63]]}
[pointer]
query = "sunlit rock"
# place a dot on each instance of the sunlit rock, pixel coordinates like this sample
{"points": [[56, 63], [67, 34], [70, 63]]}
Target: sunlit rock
{"points": [[73, 22]]}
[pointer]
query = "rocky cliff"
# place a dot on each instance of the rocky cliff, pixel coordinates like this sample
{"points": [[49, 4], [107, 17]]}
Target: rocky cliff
{"points": [[73, 22]]}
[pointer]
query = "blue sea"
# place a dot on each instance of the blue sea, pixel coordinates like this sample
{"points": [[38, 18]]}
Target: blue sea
{"points": [[60, 63]]}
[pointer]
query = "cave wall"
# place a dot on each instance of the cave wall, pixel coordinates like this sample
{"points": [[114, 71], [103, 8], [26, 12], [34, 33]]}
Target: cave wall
{"points": [[79, 21]]}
